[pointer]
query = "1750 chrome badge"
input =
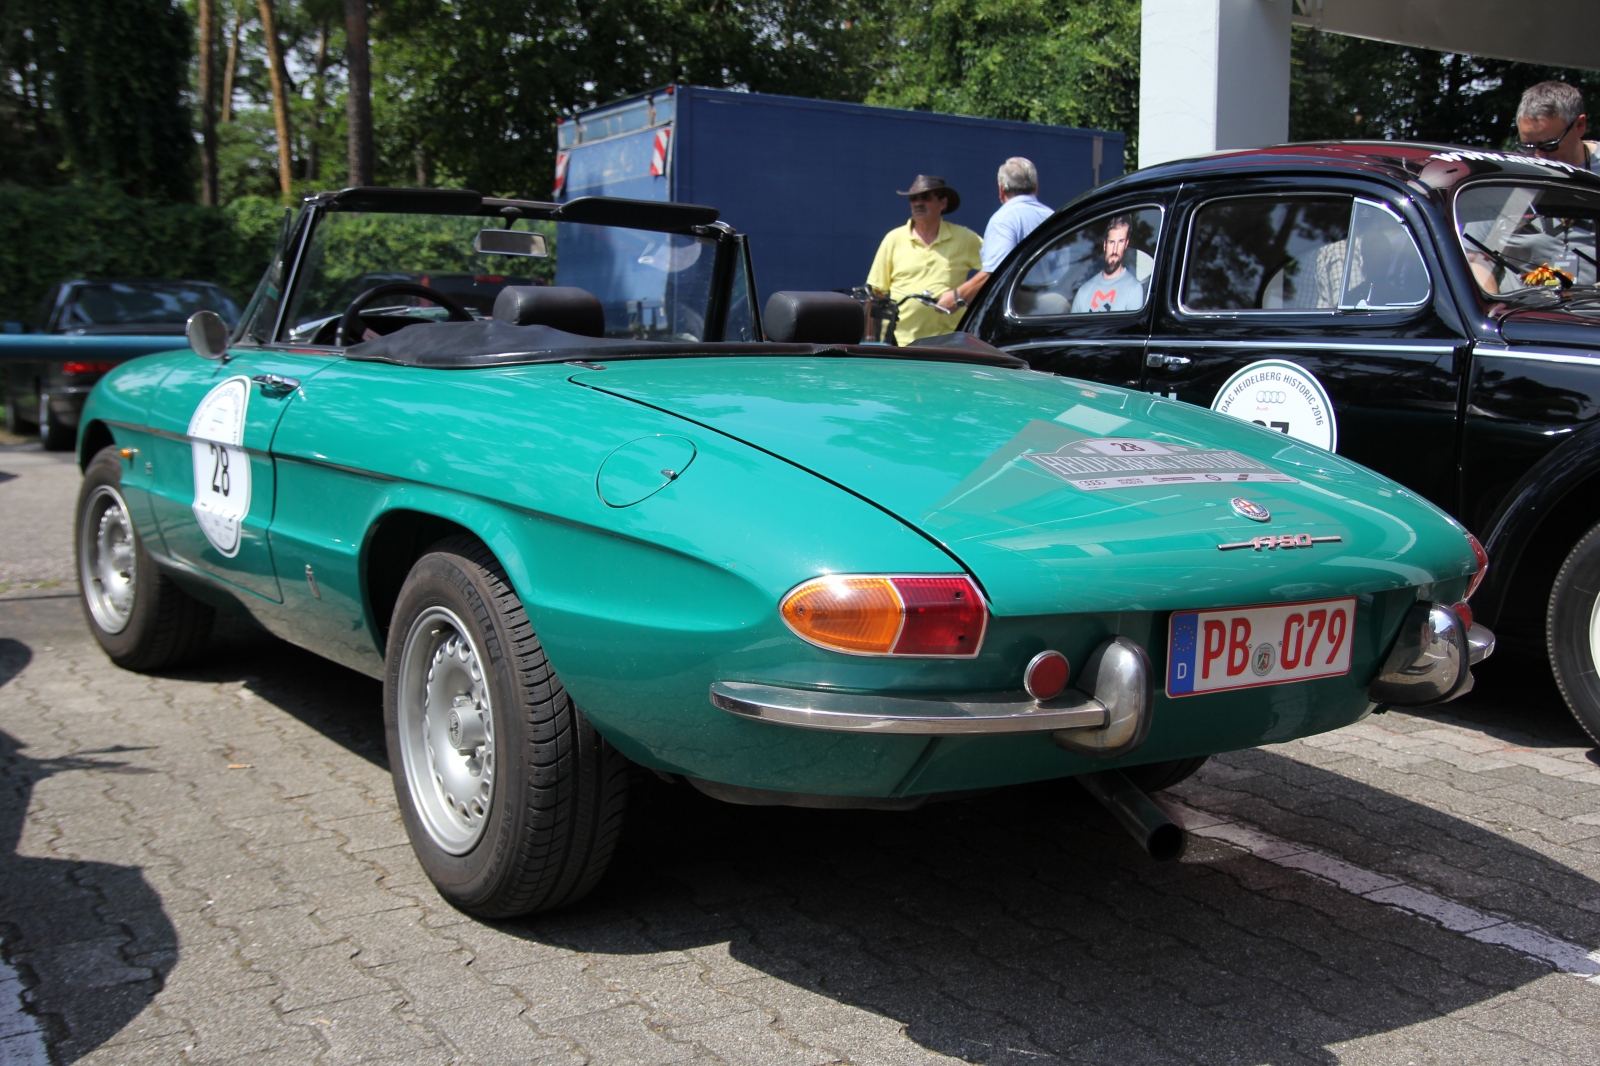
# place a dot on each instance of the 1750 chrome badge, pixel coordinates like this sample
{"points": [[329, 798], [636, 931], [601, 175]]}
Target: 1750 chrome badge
{"points": [[1281, 540]]}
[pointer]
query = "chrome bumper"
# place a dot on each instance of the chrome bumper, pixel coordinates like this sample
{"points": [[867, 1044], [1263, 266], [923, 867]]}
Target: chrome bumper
{"points": [[1108, 713], [1432, 658]]}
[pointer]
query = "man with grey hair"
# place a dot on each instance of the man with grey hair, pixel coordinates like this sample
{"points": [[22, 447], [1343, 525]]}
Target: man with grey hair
{"points": [[1019, 215], [1551, 125]]}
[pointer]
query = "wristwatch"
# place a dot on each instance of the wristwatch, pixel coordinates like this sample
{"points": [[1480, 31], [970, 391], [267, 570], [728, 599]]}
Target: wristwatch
{"points": [[960, 301]]}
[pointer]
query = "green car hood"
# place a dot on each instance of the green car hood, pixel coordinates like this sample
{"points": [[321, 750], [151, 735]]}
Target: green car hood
{"points": [[1003, 469]]}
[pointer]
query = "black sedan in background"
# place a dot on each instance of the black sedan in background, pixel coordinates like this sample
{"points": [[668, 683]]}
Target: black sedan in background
{"points": [[80, 330], [1428, 311]]}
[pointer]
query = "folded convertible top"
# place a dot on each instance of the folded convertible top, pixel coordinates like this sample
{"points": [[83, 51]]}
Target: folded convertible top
{"points": [[490, 343]]}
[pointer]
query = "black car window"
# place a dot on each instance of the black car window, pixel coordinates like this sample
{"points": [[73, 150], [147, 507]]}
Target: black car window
{"points": [[1383, 269], [1521, 237], [1102, 266], [103, 305], [1267, 253]]}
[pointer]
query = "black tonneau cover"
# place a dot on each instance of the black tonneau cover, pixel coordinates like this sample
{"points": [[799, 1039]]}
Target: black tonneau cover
{"points": [[477, 345]]}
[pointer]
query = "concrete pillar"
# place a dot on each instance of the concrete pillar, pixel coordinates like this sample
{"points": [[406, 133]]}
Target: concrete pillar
{"points": [[1212, 74]]}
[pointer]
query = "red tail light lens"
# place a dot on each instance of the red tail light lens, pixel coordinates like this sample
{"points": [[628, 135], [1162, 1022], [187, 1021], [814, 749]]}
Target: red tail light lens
{"points": [[942, 617], [87, 368], [1483, 566]]}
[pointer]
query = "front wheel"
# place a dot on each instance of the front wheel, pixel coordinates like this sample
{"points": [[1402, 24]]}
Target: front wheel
{"points": [[1572, 631], [141, 619], [512, 801]]}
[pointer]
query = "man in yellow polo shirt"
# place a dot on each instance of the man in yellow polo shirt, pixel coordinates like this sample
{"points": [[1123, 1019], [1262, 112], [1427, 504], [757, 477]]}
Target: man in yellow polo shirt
{"points": [[926, 254]]}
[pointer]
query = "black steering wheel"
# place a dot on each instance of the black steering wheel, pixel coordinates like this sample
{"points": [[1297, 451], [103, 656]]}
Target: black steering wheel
{"points": [[350, 325]]}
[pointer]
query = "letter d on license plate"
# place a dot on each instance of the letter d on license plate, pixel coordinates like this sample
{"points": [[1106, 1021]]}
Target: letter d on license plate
{"points": [[1242, 647]]}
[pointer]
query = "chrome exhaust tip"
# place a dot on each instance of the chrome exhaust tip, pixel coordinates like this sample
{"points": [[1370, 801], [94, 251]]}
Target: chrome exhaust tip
{"points": [[1157, 835]]}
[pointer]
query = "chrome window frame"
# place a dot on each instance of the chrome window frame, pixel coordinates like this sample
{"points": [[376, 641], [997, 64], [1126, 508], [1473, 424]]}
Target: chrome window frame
{"points": [[1355, 198], [1115, 316]]}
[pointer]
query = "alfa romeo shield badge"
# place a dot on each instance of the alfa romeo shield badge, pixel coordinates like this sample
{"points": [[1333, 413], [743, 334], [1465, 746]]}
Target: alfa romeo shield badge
{"points": [[1284, 396], [1249, 509]]}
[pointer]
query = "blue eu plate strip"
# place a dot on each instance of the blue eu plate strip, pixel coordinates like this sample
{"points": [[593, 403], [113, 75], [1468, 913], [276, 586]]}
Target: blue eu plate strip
{"points": [[1182, 648]]}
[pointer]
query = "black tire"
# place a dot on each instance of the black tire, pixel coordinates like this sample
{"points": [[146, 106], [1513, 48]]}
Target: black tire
{"points": [[1570, 628], [1155, 776], [54, 434], [550, 824], [165, 626]]}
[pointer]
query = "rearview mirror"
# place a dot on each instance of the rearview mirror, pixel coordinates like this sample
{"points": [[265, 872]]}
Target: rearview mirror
{"points": [[511, 242], [208, 335]]}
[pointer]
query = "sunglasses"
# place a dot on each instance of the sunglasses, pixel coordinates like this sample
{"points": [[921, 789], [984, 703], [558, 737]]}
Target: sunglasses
{"points": [[921, 196], [1529, 147]]}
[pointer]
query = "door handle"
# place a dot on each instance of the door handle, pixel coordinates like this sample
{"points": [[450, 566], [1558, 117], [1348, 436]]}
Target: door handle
{"points": [[276, 382], [1158, 361]]}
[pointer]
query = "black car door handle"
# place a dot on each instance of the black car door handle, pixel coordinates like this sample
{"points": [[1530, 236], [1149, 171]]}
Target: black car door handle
{"points": [[276, 382], [1159, 361]]}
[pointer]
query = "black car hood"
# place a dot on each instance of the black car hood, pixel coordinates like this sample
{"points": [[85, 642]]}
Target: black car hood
{"points": [[1565, 326]]}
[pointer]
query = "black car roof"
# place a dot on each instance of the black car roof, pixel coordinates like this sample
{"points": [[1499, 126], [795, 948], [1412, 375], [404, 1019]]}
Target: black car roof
{"points": [[1432, 169]]}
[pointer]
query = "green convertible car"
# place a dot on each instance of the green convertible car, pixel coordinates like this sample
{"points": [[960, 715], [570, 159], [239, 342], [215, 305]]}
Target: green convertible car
{"points": [[628, 518]]}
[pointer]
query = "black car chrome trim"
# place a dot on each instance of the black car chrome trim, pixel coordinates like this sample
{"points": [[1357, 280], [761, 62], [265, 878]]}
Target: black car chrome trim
{"points": [[1321, 346], [1538, 356], [843, 712]]}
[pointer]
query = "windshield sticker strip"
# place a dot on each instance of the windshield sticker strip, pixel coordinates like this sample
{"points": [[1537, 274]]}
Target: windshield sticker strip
{"points": [[1086, 465]]}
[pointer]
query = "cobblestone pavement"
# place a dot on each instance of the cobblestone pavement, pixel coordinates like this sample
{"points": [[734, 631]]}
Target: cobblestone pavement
{"points": [[208, 867]]}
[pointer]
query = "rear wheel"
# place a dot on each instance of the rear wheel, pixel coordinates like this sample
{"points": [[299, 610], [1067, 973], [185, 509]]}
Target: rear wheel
{"points": [[512, 801], [54, 434], [1155, 776], [141, 619], [1572, 631]]}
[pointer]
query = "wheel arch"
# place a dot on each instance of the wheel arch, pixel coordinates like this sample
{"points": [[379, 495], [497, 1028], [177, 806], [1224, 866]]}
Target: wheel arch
{"points": [[1552, 506], [93, 436], [396, 540]]}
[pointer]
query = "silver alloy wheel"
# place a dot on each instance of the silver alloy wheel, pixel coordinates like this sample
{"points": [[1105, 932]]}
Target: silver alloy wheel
{"points": [[1594, 635], [106, 559], [446, 726], [44, 418]]}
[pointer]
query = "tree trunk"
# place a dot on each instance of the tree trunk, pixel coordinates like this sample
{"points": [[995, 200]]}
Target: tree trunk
{"points": [[233, 65], [208, 110], [319, 99], [358, 62], [280, 103]]}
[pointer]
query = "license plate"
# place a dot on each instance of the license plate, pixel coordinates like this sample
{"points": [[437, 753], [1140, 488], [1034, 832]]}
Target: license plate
{"points": [[1243, 647]]}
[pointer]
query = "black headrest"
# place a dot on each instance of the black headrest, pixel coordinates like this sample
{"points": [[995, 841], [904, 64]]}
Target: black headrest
{"points": [[814, 318], [563, 307]]}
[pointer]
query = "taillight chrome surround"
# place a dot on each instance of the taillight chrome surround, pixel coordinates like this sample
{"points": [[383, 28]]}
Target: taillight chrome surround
{"points": [[897, 613]]}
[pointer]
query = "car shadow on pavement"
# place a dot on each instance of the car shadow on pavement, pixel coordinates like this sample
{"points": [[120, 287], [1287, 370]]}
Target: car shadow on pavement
{"points": [[91, 940], [1025, 926]]}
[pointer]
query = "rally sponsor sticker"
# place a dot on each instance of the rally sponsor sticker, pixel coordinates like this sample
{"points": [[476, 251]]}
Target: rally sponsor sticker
{"points": [[1284, 396], [1127, 462], [1245, 647], [221, 465]]}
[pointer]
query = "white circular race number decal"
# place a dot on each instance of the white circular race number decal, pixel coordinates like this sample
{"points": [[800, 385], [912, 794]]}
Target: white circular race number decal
{"points": [[221, 465], [1283, 396]]}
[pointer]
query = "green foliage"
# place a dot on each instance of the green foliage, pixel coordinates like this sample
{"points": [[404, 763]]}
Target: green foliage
{"points": [[1347, 87], [1065, 62], [100, 84], [53, 235]]}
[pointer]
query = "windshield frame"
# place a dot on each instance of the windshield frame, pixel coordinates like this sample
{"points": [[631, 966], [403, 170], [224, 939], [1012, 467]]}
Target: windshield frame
{"points": [[688, 220], [1543, 292]]}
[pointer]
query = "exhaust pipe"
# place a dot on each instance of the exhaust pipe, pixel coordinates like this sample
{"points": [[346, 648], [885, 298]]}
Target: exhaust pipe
{"points": [[1155, 832]]}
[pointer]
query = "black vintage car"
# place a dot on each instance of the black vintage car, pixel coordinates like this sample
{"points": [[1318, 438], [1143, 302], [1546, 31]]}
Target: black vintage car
{"points": [[1445, 301]]}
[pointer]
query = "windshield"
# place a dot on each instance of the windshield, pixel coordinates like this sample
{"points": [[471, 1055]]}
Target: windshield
{"points": [[652, 286], [1522, 238], [114, 303]]}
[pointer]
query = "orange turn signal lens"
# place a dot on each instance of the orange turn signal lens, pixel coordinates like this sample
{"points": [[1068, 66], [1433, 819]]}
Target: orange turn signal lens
{"points": [[937, 616]]}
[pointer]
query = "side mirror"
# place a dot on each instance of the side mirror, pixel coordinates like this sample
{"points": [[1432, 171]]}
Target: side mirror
{"points": [[208, 335]]}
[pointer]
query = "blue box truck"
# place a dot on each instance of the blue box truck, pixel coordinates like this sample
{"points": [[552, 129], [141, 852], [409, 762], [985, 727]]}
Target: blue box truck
{"points": [[811, 182]]}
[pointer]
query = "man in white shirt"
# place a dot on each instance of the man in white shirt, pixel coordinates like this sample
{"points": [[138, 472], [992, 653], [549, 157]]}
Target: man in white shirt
{"points": [[1019, 215]]}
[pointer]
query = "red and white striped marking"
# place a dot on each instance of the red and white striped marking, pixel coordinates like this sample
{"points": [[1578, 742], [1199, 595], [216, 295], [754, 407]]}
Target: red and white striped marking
{"points": [[561, 171], [658, 155]]}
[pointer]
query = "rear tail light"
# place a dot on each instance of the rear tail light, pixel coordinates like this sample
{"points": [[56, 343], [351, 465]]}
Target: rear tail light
{"points": [[1463, 611], [1483, 566], [941, 617], [87, 368]]}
